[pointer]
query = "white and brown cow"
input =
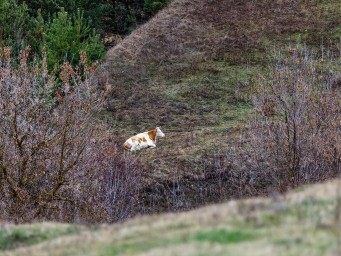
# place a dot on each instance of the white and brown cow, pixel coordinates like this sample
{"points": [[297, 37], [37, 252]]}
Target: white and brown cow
{"points": [[143, 140]]}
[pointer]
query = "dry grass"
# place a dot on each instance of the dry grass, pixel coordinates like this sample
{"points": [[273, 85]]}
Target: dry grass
{"points": [[298, 223]]}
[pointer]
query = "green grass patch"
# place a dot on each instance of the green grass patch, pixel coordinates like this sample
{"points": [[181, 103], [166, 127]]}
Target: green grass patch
{"points": [[16, 236], [222, 236]]}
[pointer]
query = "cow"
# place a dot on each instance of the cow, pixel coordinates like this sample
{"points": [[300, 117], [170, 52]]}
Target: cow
{"points": [[143, 140]]}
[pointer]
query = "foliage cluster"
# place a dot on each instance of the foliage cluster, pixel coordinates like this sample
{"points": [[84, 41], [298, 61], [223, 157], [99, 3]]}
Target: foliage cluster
{"points": [[63, 35], [64, 28]]}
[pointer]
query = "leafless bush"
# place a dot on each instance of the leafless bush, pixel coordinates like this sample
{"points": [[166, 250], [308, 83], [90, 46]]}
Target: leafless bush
{"points": [[114, 191], [295, 133], [54, 155]]}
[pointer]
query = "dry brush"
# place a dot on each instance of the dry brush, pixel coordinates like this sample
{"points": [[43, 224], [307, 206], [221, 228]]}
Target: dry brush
{"points": [[56, 161]]}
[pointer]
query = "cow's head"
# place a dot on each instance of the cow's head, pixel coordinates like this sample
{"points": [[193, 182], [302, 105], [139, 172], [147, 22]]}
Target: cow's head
{"points": [[159, 133]]}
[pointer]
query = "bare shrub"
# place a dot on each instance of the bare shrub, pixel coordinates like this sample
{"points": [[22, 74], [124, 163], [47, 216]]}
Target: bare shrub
{"points": [[294, 137], [114, 190], [54, 155]]}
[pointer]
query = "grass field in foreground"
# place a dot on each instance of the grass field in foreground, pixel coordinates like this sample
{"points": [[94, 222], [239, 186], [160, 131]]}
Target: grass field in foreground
{"points": [[303, 222]]}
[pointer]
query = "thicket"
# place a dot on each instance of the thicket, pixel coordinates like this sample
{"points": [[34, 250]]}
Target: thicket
{"points": [[56, 161], [294, 135]]}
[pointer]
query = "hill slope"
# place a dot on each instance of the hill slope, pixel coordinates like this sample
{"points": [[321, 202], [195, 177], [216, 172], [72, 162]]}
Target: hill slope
{"points": [[190, 70], [300, 223]]}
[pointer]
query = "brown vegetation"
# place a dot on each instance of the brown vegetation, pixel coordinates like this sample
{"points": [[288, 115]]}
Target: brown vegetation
{"points": [[55, 159], [300, 141]]}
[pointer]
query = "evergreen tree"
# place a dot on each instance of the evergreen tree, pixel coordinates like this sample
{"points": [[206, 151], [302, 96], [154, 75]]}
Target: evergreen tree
{"points": [[66, 36]]}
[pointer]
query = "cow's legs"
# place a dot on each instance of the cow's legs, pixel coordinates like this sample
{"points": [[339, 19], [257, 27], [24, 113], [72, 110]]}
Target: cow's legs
{"points": [[134, 148], [151, 145]]}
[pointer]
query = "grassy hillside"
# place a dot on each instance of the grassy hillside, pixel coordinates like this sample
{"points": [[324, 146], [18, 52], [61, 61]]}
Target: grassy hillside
{"points": [[303, 222], [191, 70]]}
